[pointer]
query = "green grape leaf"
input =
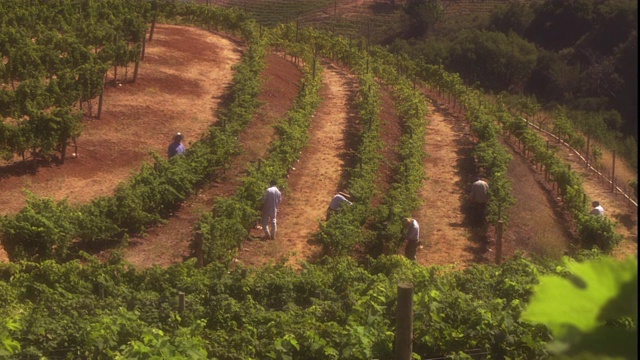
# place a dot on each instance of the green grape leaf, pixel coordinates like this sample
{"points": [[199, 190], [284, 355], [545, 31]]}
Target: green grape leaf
{"points": [[576, 302]]}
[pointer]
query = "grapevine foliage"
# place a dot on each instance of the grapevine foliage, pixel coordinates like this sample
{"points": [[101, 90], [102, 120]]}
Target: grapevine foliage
{"points": [[582, 307]]}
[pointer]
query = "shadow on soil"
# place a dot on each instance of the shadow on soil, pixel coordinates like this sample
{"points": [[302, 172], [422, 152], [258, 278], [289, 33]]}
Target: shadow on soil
{"points": [[27, 167], [350, 135], [626, 220], [467, 171]]}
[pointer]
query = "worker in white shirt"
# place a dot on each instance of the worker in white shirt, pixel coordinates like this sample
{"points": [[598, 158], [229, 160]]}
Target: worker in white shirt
{"points": [[479, 197], [337, 202], [411, 234], [597, 210], [270, 201]]}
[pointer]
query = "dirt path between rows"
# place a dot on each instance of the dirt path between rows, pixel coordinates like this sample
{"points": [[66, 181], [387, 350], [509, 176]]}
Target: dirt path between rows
{"points": [[318, 174], [169, 243], [446, 237], [536, 225], [183, 77], [617, 207], [183, 80]]}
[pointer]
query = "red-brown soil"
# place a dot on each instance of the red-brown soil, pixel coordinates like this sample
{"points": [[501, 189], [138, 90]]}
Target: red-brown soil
{"points": [[448, 238], [312, 182], [169, 243], [183, 77], [181, 83]]}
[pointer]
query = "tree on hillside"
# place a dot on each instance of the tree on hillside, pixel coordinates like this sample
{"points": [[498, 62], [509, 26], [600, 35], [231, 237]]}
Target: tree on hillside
{"points": [[424, 15], [626, 62], [596, 39], [600, 80], [560, 24], [553, 79], [613, 22], [498, 61], [514, 17]]}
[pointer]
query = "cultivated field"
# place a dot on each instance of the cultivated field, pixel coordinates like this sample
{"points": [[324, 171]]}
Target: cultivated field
{"points": [[181, 83]]}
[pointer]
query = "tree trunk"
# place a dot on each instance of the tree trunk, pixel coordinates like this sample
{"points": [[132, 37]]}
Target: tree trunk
{"points": [[135, 71], [144, 47], [153, 27], [100, 101]]}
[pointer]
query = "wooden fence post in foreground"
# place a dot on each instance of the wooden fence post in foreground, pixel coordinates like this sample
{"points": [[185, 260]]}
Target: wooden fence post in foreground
{"points": [[404, 322]]}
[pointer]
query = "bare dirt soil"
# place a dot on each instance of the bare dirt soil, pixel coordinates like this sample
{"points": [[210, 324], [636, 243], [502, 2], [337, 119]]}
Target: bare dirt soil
{"points": [[448, 238], [316, 177], [181, 83], [446, 235], [183, 77], [169, 243]]}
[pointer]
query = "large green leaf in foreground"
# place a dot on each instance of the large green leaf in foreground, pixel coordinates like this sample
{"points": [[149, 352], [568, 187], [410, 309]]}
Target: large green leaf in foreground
{"points": [[576, 307]]}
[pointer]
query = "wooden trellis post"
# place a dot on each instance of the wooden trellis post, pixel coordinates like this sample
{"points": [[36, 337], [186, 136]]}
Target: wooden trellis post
{"points": [[499, 242], [586, 162], [404, 322], [613, 173]]}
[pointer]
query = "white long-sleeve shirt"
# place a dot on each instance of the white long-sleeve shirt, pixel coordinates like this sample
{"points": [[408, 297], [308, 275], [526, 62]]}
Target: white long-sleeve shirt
{"points": [[271, 199], [413, 231], [338, 201], [479, 192], [597, 211]]}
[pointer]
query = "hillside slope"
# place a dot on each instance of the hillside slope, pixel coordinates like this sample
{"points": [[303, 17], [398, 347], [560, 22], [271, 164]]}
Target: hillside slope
{"points": [[447, 237]]}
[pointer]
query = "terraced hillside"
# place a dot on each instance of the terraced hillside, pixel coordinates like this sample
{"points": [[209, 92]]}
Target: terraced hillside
{"points": [[183, 269], [373, 20], [169, 103]]}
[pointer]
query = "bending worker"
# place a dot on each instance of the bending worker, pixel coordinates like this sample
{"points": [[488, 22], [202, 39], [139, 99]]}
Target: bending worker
{"points": [[597, 210], [479, 197], [176, 147], [338, 201], [411, 234]]}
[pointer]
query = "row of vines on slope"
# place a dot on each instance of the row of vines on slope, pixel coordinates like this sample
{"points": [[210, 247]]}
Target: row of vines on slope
{"points": [[339, 310], [593, 231], [492, 119], [587, 140], [220, 232], [598, 232], [377, 230], [148, 207], [45, 229], [488, 120], [403, 198], [55, 60]]}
